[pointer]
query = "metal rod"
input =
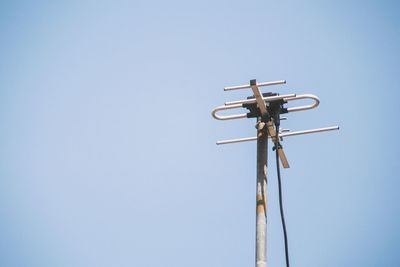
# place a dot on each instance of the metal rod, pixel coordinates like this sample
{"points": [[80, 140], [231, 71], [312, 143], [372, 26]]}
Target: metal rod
{"points": [[237, 140], [306, 107], [332, 128], [261, 103], [261, 198], [228, 117], [230, 88], [285, 134]]}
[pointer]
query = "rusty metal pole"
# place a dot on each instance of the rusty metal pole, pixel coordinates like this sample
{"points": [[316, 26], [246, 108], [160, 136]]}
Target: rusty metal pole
{"points": [[261, 208]]}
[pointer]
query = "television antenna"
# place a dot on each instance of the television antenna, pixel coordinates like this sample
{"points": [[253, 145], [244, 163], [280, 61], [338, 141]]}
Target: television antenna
{"points": [[267, 109]]}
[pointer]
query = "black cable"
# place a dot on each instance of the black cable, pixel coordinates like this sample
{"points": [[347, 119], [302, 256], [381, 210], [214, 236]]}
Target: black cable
{"points": [[280, 194]]}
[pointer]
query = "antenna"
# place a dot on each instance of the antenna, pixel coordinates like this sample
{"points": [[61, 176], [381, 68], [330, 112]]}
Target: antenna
{"points": [[267, 109]]}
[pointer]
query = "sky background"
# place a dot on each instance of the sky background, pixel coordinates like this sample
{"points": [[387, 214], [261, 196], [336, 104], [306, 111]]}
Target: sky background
{"points": [[108, 154]]}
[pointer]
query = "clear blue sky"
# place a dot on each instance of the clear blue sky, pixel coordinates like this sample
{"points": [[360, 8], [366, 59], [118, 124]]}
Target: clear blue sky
{"points": [[108, 154]]}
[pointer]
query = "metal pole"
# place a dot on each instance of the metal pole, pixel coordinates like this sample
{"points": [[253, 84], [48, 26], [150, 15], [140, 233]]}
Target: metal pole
{"points": [[261, 207]]}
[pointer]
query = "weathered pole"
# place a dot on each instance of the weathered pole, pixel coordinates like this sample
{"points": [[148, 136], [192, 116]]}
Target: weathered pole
{"points": [[268, 106], [261, 206]]}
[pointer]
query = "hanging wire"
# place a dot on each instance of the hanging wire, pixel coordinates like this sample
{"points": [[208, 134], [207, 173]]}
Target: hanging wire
{"points": [[280, 194]]}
